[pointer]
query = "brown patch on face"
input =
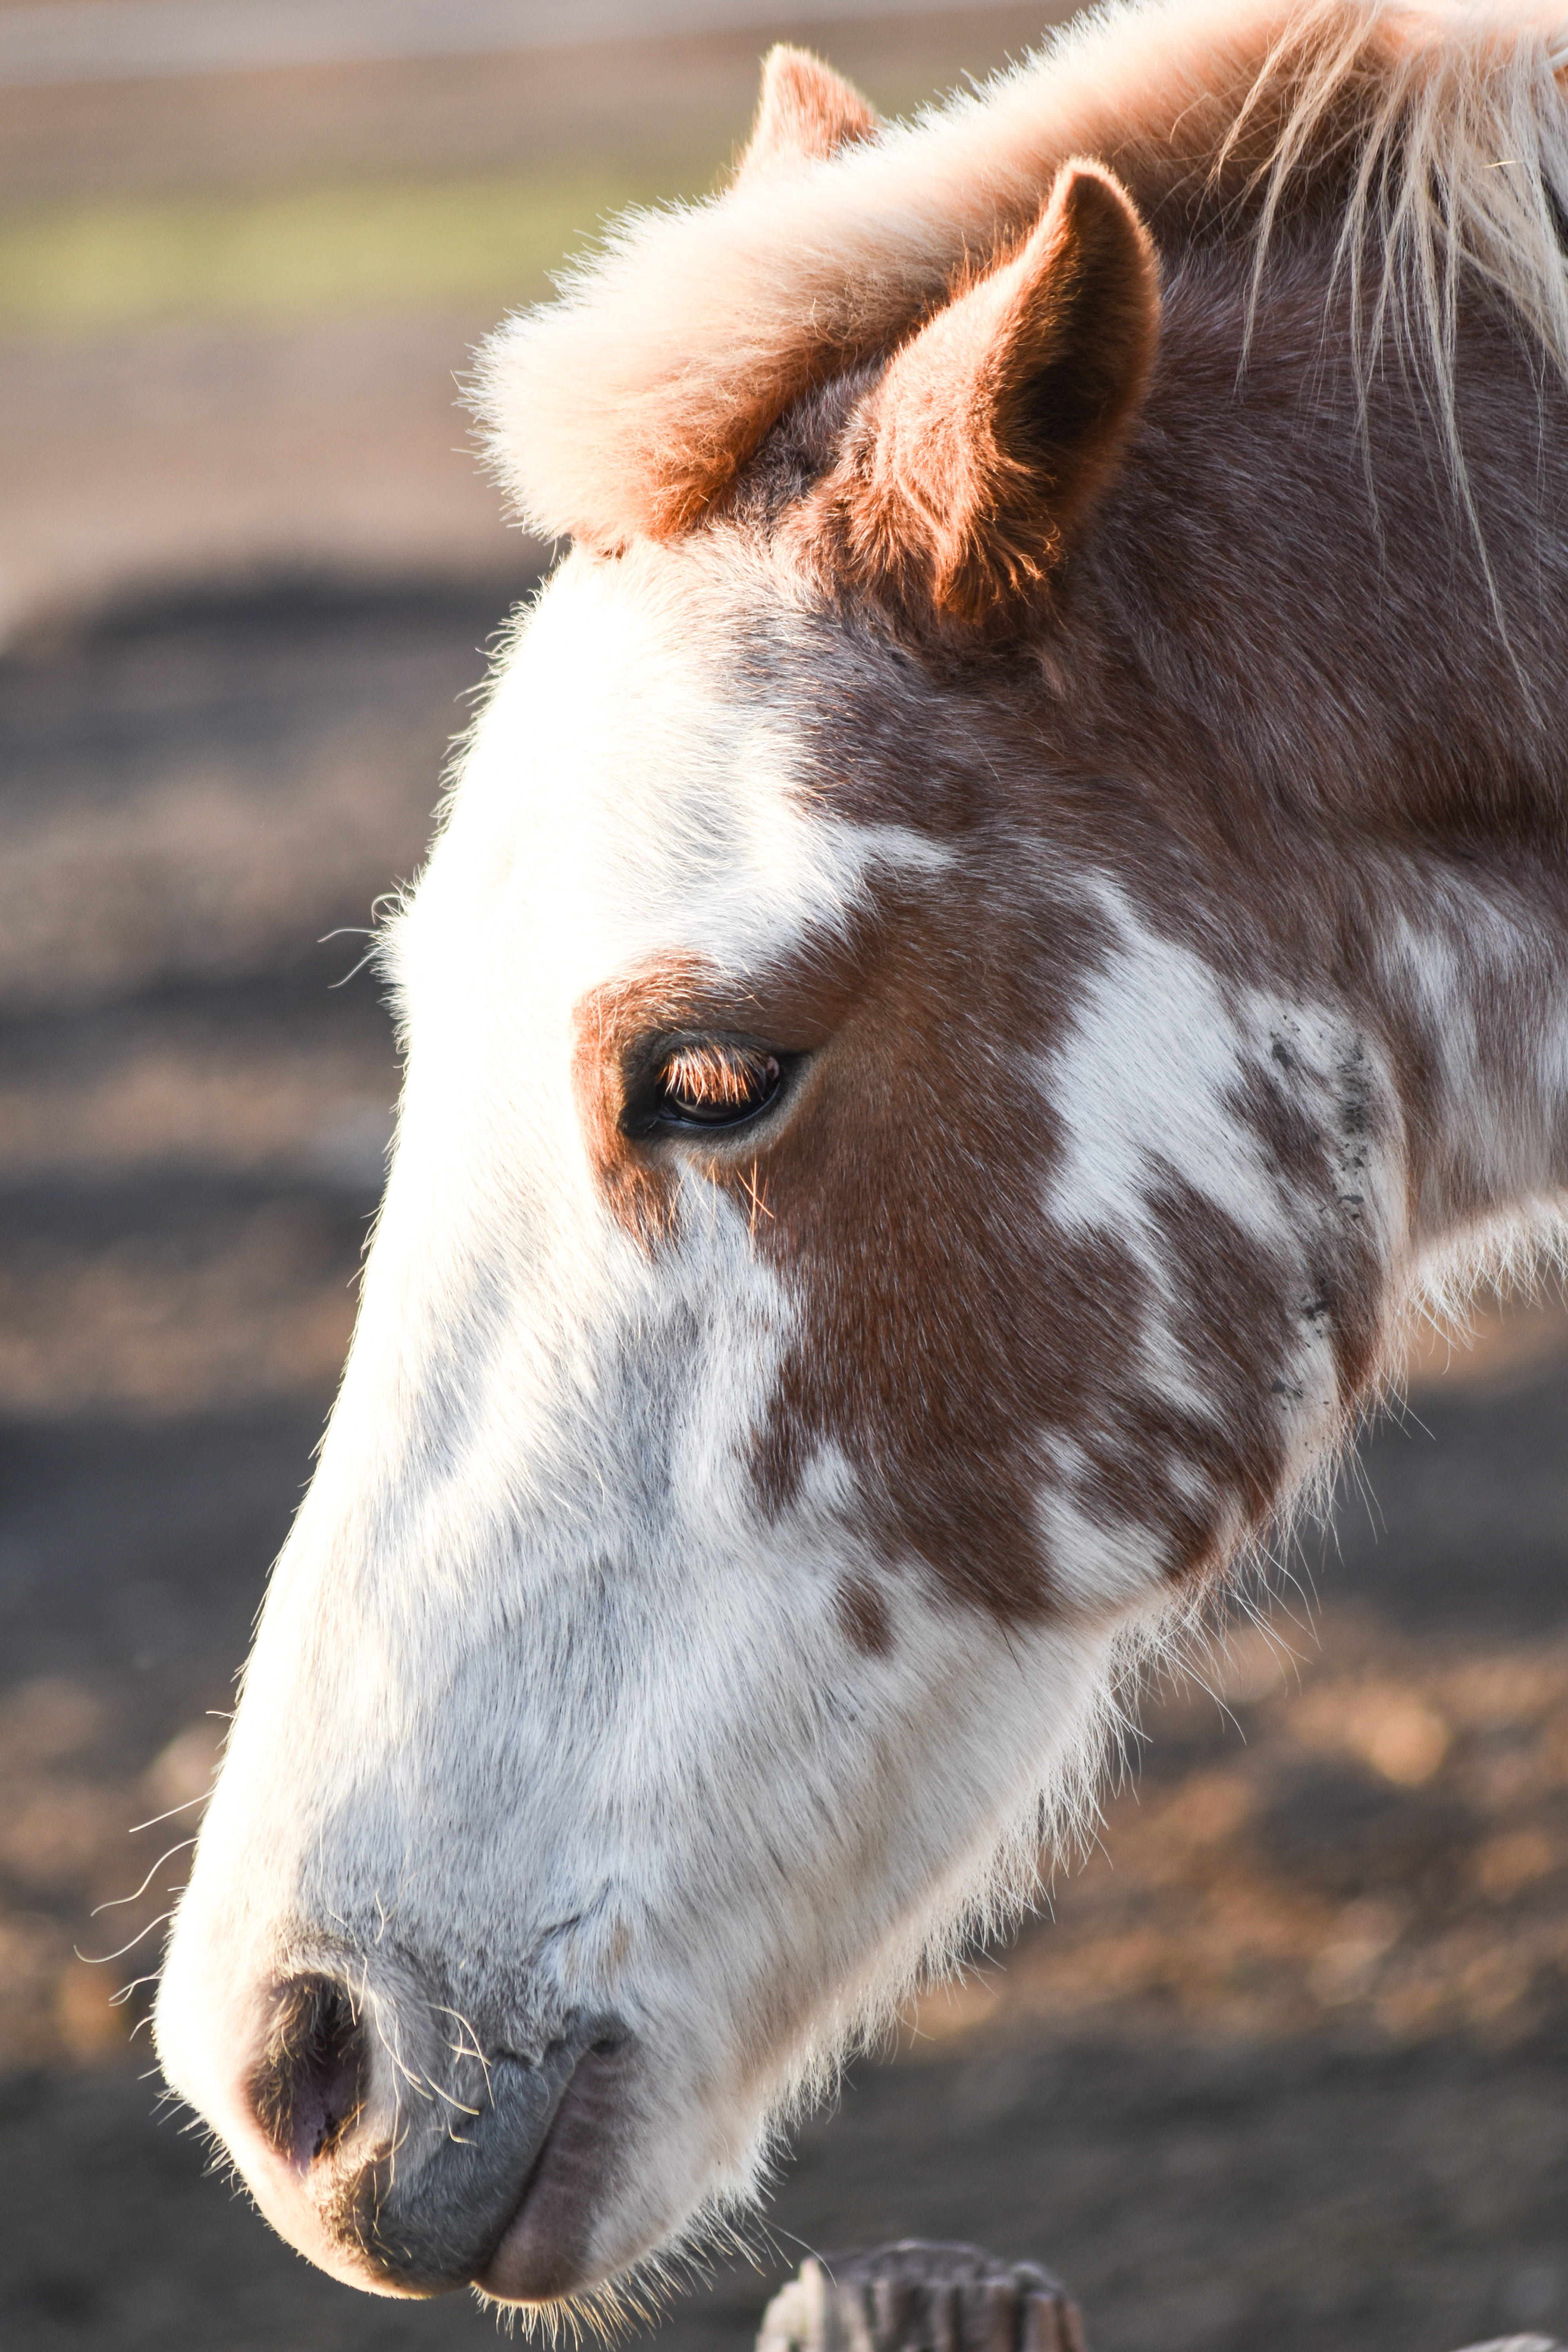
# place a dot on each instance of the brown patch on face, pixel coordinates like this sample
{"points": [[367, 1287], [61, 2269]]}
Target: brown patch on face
{"points": [[1132, 1442], [904, 1212], [950, 1332], [1323, 1170], [613, 1026], [863, 1616], [1233, 1314], [876, 1191]]}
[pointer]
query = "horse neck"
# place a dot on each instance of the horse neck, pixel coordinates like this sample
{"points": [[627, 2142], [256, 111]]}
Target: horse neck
{"points": [[1351, 663]]}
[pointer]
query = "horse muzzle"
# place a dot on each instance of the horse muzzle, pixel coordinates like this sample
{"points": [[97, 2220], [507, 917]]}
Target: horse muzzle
{"points": [[412, 2160]]}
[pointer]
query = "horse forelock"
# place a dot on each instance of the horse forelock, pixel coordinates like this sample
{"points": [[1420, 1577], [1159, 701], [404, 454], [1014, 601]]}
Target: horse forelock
{"points": [[1428, 143]]}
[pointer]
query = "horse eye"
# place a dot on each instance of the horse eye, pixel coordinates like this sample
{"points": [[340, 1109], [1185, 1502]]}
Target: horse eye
{"points": [[713, 1084]]}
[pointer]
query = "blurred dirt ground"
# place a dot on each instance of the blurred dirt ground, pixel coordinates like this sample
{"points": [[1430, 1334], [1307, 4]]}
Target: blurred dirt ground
{"points": [[1287, 2067]]}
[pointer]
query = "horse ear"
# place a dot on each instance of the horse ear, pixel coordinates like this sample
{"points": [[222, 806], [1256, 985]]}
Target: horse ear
{"points": [[969, 467], [805, 111]]}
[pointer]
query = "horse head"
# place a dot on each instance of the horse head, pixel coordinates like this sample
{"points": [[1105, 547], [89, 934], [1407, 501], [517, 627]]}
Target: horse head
{"points": [[900, 1180]]}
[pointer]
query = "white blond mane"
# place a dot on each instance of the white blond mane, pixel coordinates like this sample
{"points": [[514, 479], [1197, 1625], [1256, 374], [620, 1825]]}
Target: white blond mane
{"points": [[627, 405]]}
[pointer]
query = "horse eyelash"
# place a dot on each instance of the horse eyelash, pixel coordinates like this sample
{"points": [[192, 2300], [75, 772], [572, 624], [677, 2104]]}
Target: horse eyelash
{"points": [[721, 1075]]}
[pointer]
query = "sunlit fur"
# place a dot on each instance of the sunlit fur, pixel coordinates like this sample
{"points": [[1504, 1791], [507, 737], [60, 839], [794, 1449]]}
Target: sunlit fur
{"points": [[628, 406], [731, 1555]]}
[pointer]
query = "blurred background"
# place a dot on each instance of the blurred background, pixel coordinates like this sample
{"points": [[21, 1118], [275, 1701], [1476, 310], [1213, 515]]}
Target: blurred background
{"points": [[1289, 2064]]}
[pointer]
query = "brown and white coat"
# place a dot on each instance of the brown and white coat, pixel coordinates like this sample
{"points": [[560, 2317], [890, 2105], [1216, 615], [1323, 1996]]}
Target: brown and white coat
{"points": [[1005, 916]]}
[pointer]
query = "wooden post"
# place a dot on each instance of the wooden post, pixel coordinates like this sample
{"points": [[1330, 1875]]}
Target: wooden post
{"points": [[920, 2295]]}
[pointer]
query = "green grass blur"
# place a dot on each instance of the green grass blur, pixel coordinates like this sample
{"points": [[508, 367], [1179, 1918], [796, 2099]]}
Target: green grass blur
{"points": [[75, 268]]}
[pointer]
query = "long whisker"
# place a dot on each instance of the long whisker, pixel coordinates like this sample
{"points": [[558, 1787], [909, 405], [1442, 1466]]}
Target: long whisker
{"points": [[115, 1901], [183, 1807], [104, 1958]]}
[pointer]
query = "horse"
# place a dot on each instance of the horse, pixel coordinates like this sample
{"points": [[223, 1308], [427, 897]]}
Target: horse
{"points": [[1003, 924]]}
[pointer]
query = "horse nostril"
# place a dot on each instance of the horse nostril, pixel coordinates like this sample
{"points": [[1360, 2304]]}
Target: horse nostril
{"points": [[307, 2091]]}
